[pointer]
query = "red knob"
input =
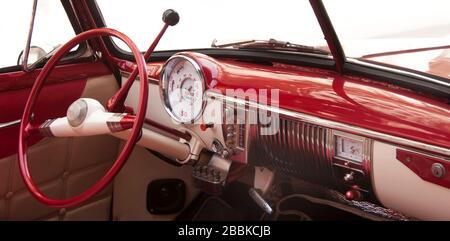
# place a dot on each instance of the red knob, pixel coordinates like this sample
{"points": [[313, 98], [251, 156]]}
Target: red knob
{"points": [[203, 126], [353, 195]]}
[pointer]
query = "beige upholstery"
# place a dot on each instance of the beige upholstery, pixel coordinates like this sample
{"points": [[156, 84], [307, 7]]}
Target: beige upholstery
{"points": [[142, 167], [399, 188], [130, 186], [62, 167]]}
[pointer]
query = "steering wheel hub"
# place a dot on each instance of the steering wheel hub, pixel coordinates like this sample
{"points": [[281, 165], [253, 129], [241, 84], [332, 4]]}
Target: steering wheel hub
{"points": [[77, 112]]}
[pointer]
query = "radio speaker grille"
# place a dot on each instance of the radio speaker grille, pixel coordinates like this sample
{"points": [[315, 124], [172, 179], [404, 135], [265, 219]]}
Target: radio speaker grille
{"points": [[298, 148]]}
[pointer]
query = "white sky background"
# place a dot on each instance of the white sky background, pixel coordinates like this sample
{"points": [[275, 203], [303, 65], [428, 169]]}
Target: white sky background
{"points": [[52, 27], [205, 20], [289, 20], [201, 21]]}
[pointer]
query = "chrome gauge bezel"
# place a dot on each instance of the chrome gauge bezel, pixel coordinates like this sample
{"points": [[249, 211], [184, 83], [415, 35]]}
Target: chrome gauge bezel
{"points": [[164, 81], [365, 144], [365, 165]]}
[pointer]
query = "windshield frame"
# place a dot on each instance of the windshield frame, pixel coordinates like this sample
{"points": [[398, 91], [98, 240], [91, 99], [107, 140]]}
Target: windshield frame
{"points": [[71, 56]]}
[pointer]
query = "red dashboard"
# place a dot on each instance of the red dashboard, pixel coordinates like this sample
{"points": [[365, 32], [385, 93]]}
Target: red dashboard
{"points": [[326, 94]]}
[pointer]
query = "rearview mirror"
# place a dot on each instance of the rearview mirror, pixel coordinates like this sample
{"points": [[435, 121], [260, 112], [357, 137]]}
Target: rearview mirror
{"points": [[23, 56], [35, 54]]}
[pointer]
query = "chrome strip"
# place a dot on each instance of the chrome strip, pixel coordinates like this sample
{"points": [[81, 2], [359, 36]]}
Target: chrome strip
{"points": [[13, 123], [151, 80], [398, 71], [45, 129], [335, 125], [9, 124]]}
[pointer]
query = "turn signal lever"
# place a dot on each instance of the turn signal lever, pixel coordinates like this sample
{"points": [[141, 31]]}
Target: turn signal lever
{"points": [[116, 102]]}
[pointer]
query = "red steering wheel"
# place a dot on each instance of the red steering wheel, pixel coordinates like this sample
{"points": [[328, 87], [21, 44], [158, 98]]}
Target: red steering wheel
{"points": [[84, 117]]}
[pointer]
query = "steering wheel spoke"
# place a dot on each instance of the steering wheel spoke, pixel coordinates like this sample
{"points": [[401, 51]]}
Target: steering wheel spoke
{"points": [[32, 129], [120, 122], [97, 123]]}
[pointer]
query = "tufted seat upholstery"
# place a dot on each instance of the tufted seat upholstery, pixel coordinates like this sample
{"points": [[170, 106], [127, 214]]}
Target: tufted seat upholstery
{"points": [[62, 167]]}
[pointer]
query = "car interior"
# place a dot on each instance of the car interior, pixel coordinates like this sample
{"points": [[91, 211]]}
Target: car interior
{"points": [[97, 127]]}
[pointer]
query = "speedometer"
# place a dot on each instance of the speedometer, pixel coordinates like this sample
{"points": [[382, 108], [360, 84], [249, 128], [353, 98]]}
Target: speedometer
{"points": [[182, 87]]}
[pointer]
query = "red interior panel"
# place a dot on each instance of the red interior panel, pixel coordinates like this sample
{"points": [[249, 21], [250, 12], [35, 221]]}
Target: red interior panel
{"points": [[65, 85]]}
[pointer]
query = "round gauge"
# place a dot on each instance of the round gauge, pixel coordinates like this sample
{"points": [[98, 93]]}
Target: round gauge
{"points": [[182, 87]]}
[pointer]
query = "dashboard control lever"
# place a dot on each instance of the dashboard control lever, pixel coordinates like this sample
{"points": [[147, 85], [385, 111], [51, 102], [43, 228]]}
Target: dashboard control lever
{"points": [[211, 178], [170, 17], [259, 200], [116, 102], [349, 177]]}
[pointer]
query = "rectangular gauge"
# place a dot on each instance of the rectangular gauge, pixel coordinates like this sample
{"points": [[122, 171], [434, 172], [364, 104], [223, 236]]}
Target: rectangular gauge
{"points": [[349, 147]]}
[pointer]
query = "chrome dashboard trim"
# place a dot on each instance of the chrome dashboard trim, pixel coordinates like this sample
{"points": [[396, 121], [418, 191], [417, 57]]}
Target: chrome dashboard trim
{"points": [[365, 164], [334, 125], [10, 123]]}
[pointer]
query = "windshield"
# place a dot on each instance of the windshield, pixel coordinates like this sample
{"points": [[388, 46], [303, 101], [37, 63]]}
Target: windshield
{"points": [[413, 34], [202, 21]]}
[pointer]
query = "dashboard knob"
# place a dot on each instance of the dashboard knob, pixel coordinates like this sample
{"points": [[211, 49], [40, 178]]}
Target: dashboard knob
{"points": [[225, 153], [171, 17], [204, 126], [216, 146], [349, 177], [353, 195]]}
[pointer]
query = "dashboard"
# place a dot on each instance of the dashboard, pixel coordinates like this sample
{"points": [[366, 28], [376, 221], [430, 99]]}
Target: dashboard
{"points": [[344, 132]]}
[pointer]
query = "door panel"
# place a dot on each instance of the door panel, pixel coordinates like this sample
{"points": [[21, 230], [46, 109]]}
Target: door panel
{"points": [[62, 167], [64, 86], [53, 102]]}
